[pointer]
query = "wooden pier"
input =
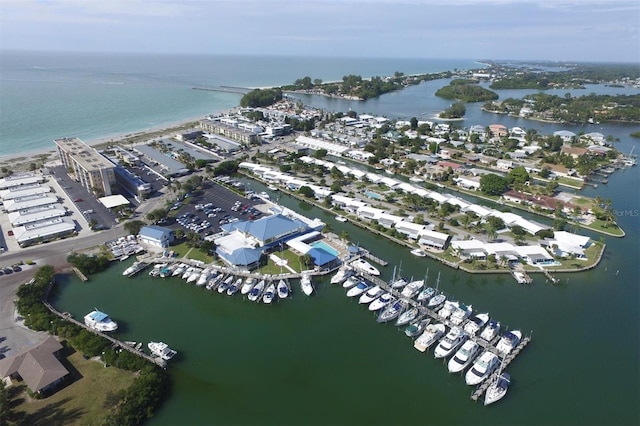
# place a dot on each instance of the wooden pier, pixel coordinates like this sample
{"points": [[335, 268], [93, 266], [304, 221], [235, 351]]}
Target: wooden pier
{"points": [[367, 255], [549, 276]]}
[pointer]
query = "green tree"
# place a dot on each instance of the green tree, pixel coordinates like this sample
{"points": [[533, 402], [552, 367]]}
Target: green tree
{"points": [[133, 226], [517, 175], [492, 184], [307, 192]]}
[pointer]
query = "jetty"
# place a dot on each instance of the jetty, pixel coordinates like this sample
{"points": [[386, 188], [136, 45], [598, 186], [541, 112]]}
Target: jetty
{"points": [[226, 89]]}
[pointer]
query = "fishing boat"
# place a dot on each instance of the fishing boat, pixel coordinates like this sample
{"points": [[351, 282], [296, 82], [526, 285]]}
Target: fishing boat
{"points": [[381, 302], [412, 288], [429, 336], [482, 368], [426, 294], [509, 341], [256, 291], [407, 316], [341, 218], [161, 350], [358, 289], [366, 267], [167, 270], [282, 289], [490, 331], [476, 323], [99, 321], [392, 310], [498, 389], [343, 273], [371, 294], [458, 316], [306, 284], [247, 285], [136, 267], [234, 287], [416, 328], [418, 252], [450, 343], [269, 293], [463, 357], [224, 285]]}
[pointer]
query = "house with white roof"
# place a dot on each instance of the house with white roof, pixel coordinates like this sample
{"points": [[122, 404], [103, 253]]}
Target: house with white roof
{"points": [[565, 244], [433, 239], [410, 229]]}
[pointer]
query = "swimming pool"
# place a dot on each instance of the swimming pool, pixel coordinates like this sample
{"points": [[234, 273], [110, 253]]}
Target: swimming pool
{"points": [[373, 195], [326, 247]]}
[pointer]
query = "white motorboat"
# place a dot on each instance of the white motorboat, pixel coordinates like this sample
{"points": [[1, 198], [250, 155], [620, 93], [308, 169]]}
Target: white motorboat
{"points": [[247, 285], [282, 289], [179, 270], [269, 294], [366, 267], [509, 341], [416, 328], [448, 309], [498, 389], [256, 291], [412, 288], [161, 350], [351, 281], [430, 335], [213, 282], [343, 273], [426, 294], [463, 357], [341, 218], [381, 302], [195, 275], [224, 285], [436, 301], [136, 267], [273, 187], [370, 295], [100, 321], [306, 285], [490, 331], [167, 271], [476, 323], [458, 316], [482, 368], [398, 283], [234, 287], [407, 316], [418, 252], [187, 272], [358, 289], [392, 310], [204, 277], [450, 343]]}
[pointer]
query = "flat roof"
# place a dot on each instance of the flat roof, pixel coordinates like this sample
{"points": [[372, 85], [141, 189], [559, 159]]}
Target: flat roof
{"points": [[43, 229], [35, 214], [18, 191], [21, 179], [89, 158], [113, 201], [195, 153], [29, 202], [173, 166]]}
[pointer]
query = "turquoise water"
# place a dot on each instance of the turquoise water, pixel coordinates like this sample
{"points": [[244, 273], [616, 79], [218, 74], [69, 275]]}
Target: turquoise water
{"points": [[373, 195], [326, 247]]}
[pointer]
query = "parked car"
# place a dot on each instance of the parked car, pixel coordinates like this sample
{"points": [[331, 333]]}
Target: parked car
{"points": [[77, 200]]}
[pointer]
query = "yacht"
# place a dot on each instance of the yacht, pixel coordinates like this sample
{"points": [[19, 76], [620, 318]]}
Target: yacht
{"points": [[235, 287], [430, 334], [224, 285], [392, 310], [436, 301], [135, 268], [407, 316], [256, 291], [204, 277], [418, 252], [476, 323], [269, 293], [426, 294], [179, 270], [447, 310], [161, 350], [351, 281], [463, 357], [195, 275], [306, 285], [365, 266], [398, 283], [283, 289], [412, 288], [416, 328], [498, 389], [99, 321], [458, 316], [490, 331], [381, 302], [370, 295], [357, 290], [343, 273], [341, 219], [213, 282], [187, 272], [482, 368], [509, 341], [450, 343], [247, 286]]}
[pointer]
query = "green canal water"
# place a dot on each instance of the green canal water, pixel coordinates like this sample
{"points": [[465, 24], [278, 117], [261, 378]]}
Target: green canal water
{"points": [[324, 360]]}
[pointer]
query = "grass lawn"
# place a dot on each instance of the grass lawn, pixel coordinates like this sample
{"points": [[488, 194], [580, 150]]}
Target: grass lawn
{"points": [[572, 183], [183, 250], [79, 403], [293, 261], [599, 225]]}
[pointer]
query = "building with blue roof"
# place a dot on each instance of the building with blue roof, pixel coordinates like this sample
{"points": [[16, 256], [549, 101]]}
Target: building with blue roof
{"points": [[156, 236]]}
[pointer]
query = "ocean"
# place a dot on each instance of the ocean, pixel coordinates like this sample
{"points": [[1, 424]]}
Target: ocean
{"points": [[324, 360]]}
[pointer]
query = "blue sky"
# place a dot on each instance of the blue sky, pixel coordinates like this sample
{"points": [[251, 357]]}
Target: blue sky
{"points": [[576, 30]]}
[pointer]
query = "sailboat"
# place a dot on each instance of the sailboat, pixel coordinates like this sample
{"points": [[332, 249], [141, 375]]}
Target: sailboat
{"points": [[438, 299], [498, 388]]}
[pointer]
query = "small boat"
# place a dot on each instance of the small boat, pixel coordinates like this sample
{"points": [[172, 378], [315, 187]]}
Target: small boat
{"points": [[370, 295], [416, 328], [436, 301], [269, 294], [341, 219], [282, 289], [343, 273], [509, 341], [224, 285], [167, 271], [247, 286], [412, 288], [358, 289], [490, 331], [448, 309], [273, 187], [366, 267], [256, 291], [137, 266], [204, 277], [520, 277], [306, 285], [187, 272], [213, 282], [475, 323], [418, 252], [381, 302], [498, 389], [426, 294], [407, 316], [179, 270], [161, 350], [450, 343], [392, 310], [234, 287], [351, 281], [195, 275], [399, 282], [99, 321], [429, 336], [458, 316], [482, 368], [463, 357]]}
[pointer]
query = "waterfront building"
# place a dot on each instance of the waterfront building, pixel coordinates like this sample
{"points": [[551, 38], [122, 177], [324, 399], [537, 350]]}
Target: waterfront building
{"points": [[169, 165], [20, 179], [132, 184], [228, 128], [89, 167], [433, 239], [156, 236]]}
